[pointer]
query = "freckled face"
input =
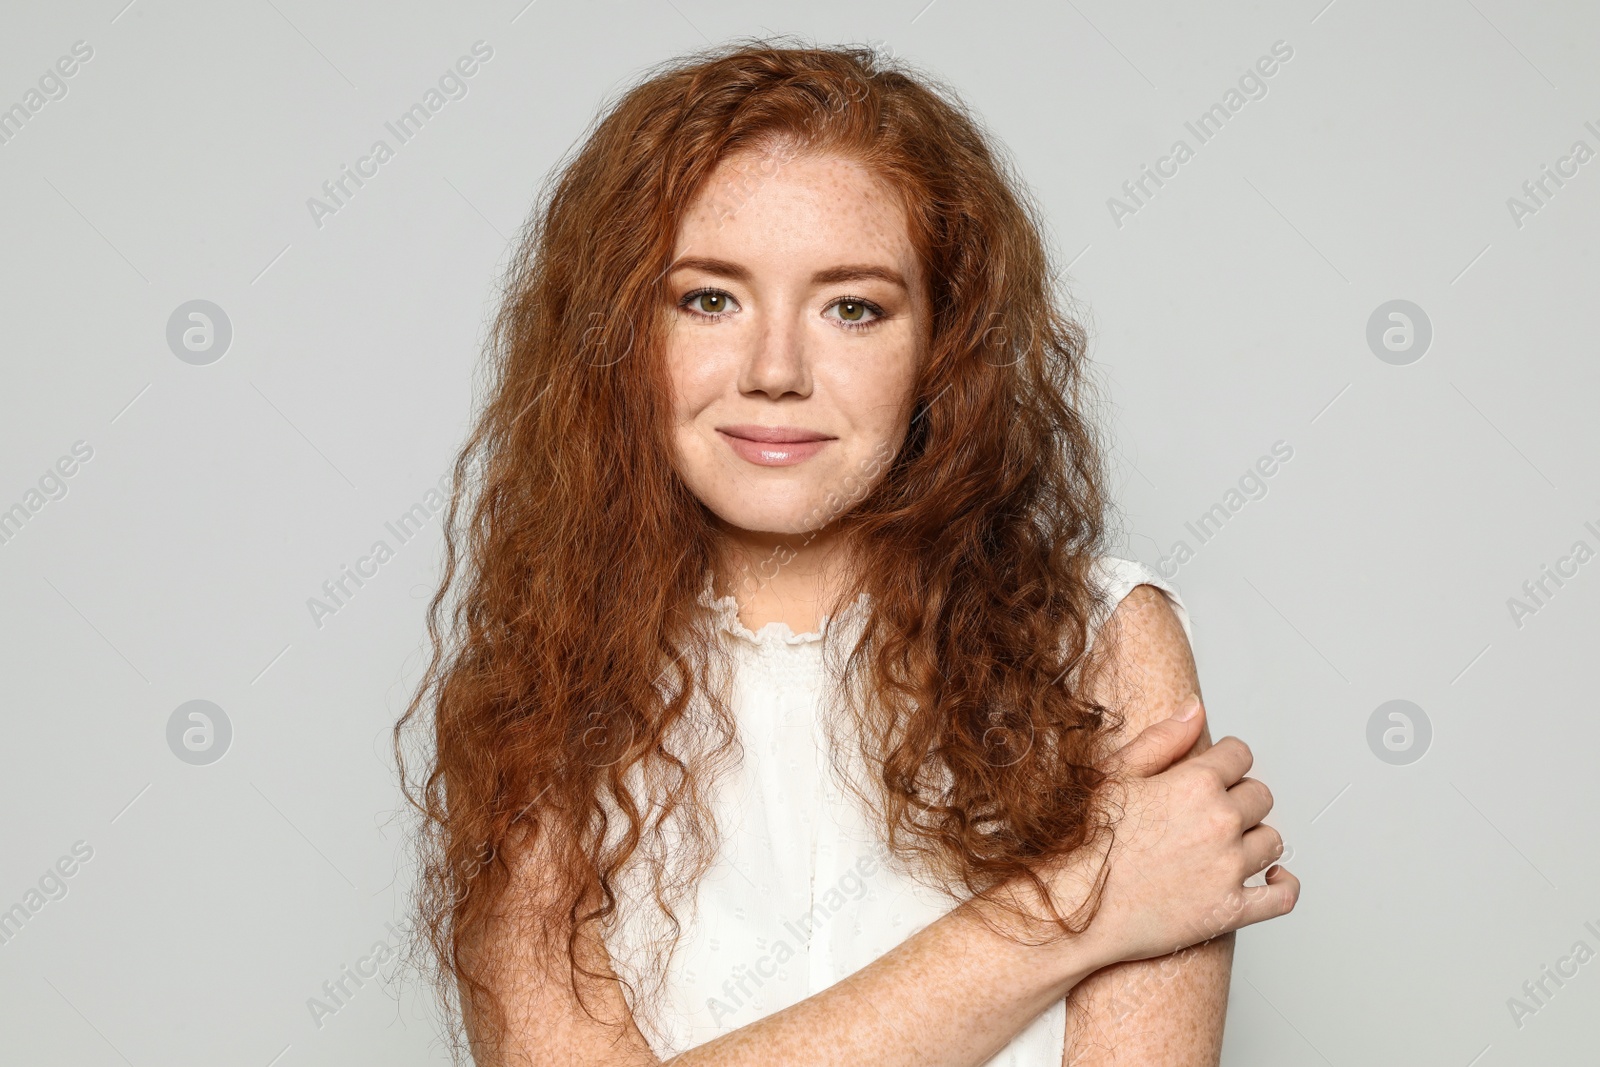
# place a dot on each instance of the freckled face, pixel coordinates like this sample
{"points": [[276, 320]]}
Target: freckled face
{"points": [[797, 313]]}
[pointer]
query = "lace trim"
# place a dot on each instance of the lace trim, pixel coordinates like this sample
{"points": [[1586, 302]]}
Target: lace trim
{"points": [[774, 634]]}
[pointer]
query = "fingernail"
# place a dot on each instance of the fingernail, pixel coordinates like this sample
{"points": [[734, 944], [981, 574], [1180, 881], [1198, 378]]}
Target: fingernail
{"points": [[1189, 709]]}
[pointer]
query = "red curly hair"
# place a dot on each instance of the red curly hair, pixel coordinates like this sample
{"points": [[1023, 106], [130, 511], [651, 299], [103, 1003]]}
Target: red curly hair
{"points": [[564, 706]]}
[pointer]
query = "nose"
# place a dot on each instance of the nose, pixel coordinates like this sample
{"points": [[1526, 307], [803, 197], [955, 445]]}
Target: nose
{"points": [[777, 364]]}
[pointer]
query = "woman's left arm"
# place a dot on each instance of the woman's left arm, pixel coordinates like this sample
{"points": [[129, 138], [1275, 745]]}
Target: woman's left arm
{"points": [[1167, 1011]]}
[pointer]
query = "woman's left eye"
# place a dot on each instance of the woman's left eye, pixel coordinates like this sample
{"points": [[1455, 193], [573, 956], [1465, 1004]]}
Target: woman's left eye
{"points": [[856, 312]]}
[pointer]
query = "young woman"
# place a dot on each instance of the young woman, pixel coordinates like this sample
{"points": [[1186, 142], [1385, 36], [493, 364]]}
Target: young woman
{"points": [[794, 713]]}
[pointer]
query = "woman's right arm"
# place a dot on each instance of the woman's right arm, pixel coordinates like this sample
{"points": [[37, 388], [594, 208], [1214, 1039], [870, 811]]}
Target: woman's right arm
{"points": [[957, 991]]}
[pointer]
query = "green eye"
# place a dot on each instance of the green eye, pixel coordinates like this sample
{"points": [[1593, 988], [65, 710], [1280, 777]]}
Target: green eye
{"points": [[712, 303], [856, 313]]}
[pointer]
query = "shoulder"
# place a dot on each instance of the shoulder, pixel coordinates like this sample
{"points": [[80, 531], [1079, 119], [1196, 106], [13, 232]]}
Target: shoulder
{"points": [[1130, 587], [1145, 664]]}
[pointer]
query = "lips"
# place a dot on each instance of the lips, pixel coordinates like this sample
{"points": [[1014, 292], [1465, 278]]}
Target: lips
{"points": [[778, 435], [773, 446]]}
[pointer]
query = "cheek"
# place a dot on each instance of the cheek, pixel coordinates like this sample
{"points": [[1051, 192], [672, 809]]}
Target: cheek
{"points": [[695, 372], [877, 394]]}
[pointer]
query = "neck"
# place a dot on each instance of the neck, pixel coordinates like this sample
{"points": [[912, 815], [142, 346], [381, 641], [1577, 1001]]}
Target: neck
{"points": [[788, 578]]}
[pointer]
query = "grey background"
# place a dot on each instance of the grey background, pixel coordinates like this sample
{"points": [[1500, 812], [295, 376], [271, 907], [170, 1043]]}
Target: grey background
{"points": [[1229, 312]]}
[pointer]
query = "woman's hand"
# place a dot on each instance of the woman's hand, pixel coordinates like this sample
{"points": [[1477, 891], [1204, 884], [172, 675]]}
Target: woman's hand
{"points": [[1188, 837]]}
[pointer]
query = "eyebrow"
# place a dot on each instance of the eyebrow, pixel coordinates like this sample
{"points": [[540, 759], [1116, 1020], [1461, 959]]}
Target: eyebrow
{"points": [[849, 272]]}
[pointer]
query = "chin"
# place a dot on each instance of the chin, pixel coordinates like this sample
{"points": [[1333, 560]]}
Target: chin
{"points": [[789, 515]]}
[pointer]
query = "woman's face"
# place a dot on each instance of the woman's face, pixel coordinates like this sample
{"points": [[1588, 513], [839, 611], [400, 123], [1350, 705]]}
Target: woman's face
{"points": [[797, 312]]}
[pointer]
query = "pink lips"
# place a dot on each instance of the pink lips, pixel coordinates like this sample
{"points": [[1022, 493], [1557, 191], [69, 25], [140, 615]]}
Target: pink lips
{"points": [[773, 446]]}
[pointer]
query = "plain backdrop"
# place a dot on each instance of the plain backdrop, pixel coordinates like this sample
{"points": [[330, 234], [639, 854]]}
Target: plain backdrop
{"points": [[1433, 483]]}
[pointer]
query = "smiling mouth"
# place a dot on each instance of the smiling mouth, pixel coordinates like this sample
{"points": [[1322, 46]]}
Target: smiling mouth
{"points": [[777, 435], [773, 446]]}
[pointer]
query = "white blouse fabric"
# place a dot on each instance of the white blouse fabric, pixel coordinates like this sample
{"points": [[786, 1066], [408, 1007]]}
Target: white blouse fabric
{"points": [[803, 891]]}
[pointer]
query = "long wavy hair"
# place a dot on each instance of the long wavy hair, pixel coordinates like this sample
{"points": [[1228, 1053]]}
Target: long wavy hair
{"points": [[565, 707]]}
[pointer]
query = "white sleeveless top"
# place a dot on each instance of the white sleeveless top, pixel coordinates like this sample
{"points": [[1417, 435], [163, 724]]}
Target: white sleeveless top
{"points": [[803, 891]]}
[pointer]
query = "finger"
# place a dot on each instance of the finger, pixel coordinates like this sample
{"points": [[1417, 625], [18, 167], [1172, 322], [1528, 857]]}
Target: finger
{"points": [[1156, 747], [1262, 846], [1263, 902], [1228, 759], [1251, 799]]}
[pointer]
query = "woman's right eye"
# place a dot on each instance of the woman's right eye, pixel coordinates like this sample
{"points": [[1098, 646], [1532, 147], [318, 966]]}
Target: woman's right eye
{"points": [[709, 302]]}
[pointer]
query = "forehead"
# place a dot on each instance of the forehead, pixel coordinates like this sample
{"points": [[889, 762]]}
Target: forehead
{"points": [[798, 203]]}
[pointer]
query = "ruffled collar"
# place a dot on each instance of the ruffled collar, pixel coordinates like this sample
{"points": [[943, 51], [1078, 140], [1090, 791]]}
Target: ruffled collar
{"points": [[775, 634]]}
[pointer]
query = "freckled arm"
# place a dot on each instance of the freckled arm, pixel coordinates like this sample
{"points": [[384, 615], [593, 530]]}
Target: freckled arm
{"points": [[1167, 1011], [951, 995]]}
